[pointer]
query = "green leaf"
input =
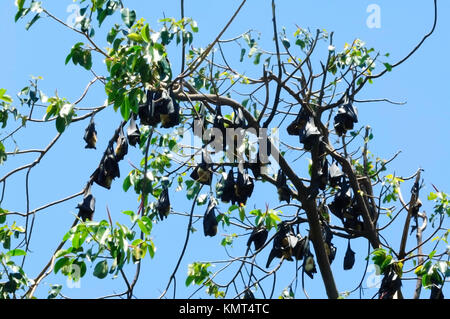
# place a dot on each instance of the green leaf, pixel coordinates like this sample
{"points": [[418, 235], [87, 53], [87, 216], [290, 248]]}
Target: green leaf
{"points": [[286, 43], [60, 124], [135, 37], [101, 269], [128, 17], [61, 263], [29, 24], [242, 54], [388, 67], [145, 33], [16, 252]]}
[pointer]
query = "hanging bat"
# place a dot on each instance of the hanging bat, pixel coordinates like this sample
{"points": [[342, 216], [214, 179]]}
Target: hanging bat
{"points": [[202, 173], [346, 117], [436, 292], [90, 135], [133, 133], [148, 113], [219, 124], [107, 170], [248, 294], [322, 174], [243, 188], [390, 284], [284, 242], [258, 237], [284, 193], [335, 174], [327, 236], [87, 206], [209, 220], [309, 135], [163, 204], [121, 147], [298, 124], [170, 114], [309, 266], [349, 258], [342, 200], [228, 188], [301, 247]]}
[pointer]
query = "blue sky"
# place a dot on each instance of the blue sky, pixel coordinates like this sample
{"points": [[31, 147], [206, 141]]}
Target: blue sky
{"points": [[419, 129]]}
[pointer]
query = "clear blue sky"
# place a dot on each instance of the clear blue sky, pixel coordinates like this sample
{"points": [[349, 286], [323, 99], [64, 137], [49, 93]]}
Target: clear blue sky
{"points": [[420, 128]]}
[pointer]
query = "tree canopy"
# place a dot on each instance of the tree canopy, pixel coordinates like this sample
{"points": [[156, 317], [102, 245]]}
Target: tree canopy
{"points": [[253, 157]]}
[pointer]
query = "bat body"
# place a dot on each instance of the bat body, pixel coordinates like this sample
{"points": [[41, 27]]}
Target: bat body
{"points": [[148, 113], [248, 294], [202, 173], [284, 243], [390, 284], [87, 206], [309, 265], [342, 200], [107, 170], [345, 119], [163, 204], [243, 188], [228, 188], [169, 111], [133, 133], [335, 174], [121, 147], [284, 193], [349, 259], [258, 237], [210, 221], [298, 124], [309, 135], [90, 135]]}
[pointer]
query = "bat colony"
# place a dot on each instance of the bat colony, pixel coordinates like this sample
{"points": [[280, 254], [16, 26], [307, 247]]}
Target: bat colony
{"points": [[236, 185]]}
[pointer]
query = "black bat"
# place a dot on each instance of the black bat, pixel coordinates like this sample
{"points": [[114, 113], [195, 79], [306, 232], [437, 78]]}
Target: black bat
{"points": [[202, 173], [309, 135], [107, 170], [121, 147], [258, 237], [170, 111], [148, 113], [284, 193], [87, 206], [133, 134], [327, 236], [284, 243], [346, 117], [243, 188], [309, 265], [298, 124], [219, 122], [210, 221], [342, 200], [228, 188], [163, 204], [322, 174], [335, 174], [301, 248], [349, 258], [256, 167], [248, 294], [390, 284], [90, 135], [436, 292]]}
